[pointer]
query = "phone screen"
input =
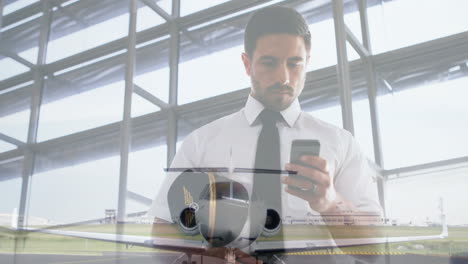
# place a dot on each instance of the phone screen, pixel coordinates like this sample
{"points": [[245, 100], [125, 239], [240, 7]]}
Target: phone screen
{"points": [[301, 147]]}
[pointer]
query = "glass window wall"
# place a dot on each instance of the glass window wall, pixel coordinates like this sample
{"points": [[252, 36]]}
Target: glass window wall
{"points": [[81, 111], [152, 68], [10, 68], [11, 191], [155, 82], [188, 7], [398, 24], [145, 176], [212, 71], [95, 31], [5, 146], [415, 197], [323, 45], [166, 5], [15, 110], [425, 123], [330, 114], [84, 191], [78, 181], [17, 5], [363, 125]]}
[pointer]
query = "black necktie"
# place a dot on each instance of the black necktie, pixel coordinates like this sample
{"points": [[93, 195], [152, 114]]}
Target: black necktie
{"points": [[267, 186], [268, 145]]}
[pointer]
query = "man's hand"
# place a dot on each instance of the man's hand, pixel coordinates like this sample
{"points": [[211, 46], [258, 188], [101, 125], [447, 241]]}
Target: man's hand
{"points": [[324, 198], [315, 186]]}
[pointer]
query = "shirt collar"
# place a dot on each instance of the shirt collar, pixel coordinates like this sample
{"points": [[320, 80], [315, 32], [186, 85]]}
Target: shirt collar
{"points": [[253, 108]]}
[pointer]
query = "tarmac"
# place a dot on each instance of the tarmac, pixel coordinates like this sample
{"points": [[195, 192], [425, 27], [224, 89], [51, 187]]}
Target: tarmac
{"points": [[163, 258]]}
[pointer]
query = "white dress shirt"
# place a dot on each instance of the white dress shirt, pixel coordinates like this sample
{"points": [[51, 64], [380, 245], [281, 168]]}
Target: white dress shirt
{"points": [[231, 142]]}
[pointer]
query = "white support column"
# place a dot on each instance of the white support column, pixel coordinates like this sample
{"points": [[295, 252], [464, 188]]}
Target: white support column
{"points": [[173, 83], [362, 5], [342, 66], [343, 34], [372, 97], [125, 130], [36, 100]]}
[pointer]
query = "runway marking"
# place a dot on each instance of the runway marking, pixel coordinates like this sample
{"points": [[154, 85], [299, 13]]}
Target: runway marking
{"points": [[343, 253], [88, 261]]}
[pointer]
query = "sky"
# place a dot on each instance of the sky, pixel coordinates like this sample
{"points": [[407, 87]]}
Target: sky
{"points": [[420, 125]]}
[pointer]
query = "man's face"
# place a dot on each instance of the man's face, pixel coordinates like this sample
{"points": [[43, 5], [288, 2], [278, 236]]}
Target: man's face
{"points": [[277, 69]]}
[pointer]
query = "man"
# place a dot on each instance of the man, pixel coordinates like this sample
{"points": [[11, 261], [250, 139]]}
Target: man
{"points": [[277, 51]]}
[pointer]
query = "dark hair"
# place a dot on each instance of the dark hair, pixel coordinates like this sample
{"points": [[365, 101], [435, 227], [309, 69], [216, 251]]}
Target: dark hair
{"points": [[275, 20]]}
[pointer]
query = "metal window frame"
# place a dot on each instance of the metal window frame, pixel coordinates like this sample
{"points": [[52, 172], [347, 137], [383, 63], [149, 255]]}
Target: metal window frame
{"points": [[36, 99], [319, 83], [172, 112], [125, 130], [343, 35], [174, 56]]}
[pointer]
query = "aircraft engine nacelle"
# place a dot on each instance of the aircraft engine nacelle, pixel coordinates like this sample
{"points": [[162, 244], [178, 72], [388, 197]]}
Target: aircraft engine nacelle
{"points": [[272, 223], [227, 214], [187, 222], [220, 209], [182, 197]]}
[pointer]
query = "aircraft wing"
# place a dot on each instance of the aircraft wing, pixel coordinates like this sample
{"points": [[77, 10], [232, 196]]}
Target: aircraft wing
{"points": [[258, 247], [184, 245], [272, 246]]}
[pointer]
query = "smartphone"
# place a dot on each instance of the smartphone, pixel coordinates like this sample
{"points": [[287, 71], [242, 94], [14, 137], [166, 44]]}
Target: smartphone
{"points": [[301, 147]]}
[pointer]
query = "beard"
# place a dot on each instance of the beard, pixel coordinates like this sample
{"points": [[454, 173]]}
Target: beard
{"points": [[276, 97]]}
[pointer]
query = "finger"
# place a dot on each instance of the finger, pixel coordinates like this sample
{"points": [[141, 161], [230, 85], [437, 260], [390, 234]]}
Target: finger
{"points": [[298, 182], [310, 173], [315, 161]]}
